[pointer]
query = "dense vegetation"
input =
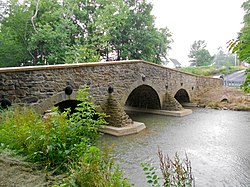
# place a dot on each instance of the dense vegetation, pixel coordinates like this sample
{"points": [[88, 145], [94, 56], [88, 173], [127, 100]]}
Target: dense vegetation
{"points": [[41, 32], [62, 143]]}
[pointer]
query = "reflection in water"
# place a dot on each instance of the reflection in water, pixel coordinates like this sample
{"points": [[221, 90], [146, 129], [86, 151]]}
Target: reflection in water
{"points": [[216, 142]]}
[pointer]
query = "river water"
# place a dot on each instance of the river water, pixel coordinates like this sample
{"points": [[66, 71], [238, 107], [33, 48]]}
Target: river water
{"points": [[216, 141]]}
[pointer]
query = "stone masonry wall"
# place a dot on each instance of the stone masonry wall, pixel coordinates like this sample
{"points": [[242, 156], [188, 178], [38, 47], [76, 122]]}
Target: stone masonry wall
{"points": [[36, 85]]}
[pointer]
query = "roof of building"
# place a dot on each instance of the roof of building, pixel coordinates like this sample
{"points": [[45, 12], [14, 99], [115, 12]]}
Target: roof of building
{"points": [[176, 62]]}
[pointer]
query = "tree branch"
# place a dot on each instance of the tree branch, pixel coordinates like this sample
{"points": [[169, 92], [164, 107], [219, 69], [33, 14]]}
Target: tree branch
{"points": [[35, 15]]}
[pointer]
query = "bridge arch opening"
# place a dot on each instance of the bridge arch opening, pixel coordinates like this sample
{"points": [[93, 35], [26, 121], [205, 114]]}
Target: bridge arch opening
{"points": [[63, 105], [182, 96], [144, 96]]}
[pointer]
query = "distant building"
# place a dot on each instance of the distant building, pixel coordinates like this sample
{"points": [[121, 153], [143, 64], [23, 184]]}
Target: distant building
{"points": [[171, 63], [245, 64]]}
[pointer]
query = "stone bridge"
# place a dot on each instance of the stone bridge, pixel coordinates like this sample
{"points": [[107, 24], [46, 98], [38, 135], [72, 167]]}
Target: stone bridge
{"points": [[113, 85]]}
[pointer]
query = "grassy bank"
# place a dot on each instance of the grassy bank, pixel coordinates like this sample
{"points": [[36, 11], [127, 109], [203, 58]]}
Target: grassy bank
{"points": [[211, 70]]}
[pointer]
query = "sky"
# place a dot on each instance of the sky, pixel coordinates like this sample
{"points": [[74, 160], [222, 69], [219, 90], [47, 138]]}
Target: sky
{"points": [[215, 21]]}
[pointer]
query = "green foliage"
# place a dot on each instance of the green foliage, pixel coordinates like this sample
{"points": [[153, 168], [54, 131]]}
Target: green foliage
{"points": [[95, 169], [37, 32], [199, 55], [246, 85], [241, 46], [14, 31], [17, 125], [136, 37], [55, 141], [63, 142], [151, 176], [175, 172]]}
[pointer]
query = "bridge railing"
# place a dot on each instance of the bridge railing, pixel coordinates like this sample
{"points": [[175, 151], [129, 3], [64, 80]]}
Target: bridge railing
{"points": [[231, 83]]}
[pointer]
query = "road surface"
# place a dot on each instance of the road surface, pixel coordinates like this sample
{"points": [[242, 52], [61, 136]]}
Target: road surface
{"points": [[235, 79], [236, 76]]}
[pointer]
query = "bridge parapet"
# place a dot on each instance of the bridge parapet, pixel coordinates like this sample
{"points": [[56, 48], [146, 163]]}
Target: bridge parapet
{"points": [[43, 86]]}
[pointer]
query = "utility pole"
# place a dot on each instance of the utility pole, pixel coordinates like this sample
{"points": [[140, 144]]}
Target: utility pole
{"points": [[235, 59]]}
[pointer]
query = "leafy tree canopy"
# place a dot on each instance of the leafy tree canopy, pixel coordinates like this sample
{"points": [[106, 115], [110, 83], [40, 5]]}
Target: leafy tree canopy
{"points": [[241, 46], [199, 55], [55, 32]]}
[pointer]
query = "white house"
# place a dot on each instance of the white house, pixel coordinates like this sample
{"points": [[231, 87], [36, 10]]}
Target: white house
{"points": [[171, 63]]}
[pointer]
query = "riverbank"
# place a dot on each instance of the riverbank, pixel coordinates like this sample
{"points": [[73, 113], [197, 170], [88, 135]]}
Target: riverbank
{"points": [[14, 171], [226, 98]]}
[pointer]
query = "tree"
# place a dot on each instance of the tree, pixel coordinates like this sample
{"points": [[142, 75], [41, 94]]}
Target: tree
{"points": [[37, 32], [134, 35], [222, 58], [33, 34], [241, 46], [199, 55]]}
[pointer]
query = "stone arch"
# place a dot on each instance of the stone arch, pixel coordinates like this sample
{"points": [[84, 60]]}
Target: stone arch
{"points": [[144, 96], [136, 84], [182, 96], [54, 100]]}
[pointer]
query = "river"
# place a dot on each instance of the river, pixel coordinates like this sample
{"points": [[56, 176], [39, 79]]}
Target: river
{"points": [[216, 141]]}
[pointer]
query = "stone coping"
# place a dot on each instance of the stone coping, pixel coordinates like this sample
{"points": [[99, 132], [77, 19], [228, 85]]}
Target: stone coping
{"points": [[65, 66], [89, 64], [181, 113], [133, 128]]}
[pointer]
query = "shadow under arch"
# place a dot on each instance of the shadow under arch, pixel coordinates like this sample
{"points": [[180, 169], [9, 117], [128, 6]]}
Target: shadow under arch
{"points": [[182, 96], [63, 105], [144, 96]]}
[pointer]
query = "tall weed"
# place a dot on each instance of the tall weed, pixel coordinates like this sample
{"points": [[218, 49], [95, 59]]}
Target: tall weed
{"points": [[175, 172]]}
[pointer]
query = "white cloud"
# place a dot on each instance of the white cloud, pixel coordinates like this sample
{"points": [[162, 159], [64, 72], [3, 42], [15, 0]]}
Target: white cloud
{"points": [[215, 21]]}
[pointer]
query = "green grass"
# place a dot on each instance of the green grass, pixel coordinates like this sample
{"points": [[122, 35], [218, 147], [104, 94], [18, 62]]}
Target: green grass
{"points": [[211, 70]]}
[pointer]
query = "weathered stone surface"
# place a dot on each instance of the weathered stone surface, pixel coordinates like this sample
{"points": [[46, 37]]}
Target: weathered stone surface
{"points": [[41, 85], [30, 100]]}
